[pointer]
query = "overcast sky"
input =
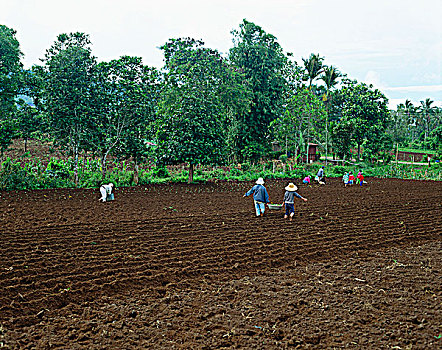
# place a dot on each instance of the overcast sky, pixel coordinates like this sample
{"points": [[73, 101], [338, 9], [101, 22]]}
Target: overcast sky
{"points": [[394, 44]]}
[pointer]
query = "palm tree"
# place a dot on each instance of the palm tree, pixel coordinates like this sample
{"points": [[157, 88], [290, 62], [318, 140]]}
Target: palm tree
{"points": [[425, 110], [330, 78], [313, 66], [410, 110]]}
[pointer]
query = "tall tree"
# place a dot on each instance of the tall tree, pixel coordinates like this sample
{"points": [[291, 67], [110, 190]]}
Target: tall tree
{"points": [[426, 111], [190, 125], [28, 121], [410, 110], [290, 128], [342, 134], [10, 71], [314, 67], [363, 107], [262, 61], [330, 78], [67, 92], [123, 108], [11, 84]]}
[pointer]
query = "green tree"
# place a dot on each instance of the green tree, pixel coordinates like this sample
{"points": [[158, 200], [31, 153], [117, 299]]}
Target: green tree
{"points": [[11, 81], [124, 108], [296, 127], [11, 85], [342, 133], [436, 139], [190, 125], [28, 121], [410, 111], [8, 131], [262, 61], [313, 67], [363, 107], [426, 113], [111, 101], [379, 146], [67, 92], [398, 126], [330, 78]]}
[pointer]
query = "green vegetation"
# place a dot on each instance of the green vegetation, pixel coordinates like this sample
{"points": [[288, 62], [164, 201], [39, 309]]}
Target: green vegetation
{"points": [[200, 109], [415, 150], [28, 173]]}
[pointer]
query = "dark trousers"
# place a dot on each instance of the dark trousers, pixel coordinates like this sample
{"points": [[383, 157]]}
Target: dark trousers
{"points": [[289, 208]]}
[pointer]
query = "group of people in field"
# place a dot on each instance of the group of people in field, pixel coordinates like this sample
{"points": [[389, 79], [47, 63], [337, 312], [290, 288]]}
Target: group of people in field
{"points": [[261, 197], [349, 179]]}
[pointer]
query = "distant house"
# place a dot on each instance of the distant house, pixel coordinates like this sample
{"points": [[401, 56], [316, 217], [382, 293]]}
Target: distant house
{"points": [[312, 150], [312, 156]]}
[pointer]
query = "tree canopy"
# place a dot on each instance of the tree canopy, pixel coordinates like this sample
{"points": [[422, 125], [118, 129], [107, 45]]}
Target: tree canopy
{"points": [[201, 107]]}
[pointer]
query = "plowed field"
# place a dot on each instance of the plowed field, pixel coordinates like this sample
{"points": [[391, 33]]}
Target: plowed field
{"points": [[191, 267]]}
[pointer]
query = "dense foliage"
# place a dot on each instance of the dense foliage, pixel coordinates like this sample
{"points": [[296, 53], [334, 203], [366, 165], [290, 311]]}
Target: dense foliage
{"points": [[200, 108]]}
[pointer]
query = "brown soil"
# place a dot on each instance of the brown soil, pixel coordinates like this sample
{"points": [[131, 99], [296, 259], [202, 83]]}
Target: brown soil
{"points": [[44, 150], [191, 267]]}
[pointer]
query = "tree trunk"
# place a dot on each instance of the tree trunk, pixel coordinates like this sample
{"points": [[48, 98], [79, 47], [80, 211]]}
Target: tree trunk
{"points": [[190, 180], [359, 152], [76, 165], [326, 138], [103, 167], [136, 169], [306, 154], [26, 144], [286, 151]]}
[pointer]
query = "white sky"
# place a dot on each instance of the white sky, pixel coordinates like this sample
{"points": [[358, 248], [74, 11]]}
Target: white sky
{"points": [[394, 44]]}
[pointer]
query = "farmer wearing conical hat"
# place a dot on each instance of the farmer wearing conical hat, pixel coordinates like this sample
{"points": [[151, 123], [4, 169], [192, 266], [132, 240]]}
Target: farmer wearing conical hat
{"points": [[289, 200], [260, 196]]}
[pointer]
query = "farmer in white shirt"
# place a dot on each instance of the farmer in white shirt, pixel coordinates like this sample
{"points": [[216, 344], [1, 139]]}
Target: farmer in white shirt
{"points": [[105, 191]]}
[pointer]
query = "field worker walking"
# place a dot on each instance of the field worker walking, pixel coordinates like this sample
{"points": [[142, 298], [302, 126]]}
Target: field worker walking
{"points": [[289, 200], [345, 179], [260, 196], [106, 192]]}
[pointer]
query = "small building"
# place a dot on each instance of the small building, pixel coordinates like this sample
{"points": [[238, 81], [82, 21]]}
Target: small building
{"points": [[312, 156], [312, 150]]}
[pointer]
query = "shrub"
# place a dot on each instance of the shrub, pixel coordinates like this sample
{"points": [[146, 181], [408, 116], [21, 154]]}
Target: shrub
{"points": [[14, 177], [160, 172], [337, 170], [57, 168]]}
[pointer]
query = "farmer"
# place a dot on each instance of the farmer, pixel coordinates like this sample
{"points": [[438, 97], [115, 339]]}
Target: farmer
{"points": [[260, 196], [320, 177], [289, 200], [306, 180], [351, 178], [106, 190], [345, 179], [360, 178]]}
